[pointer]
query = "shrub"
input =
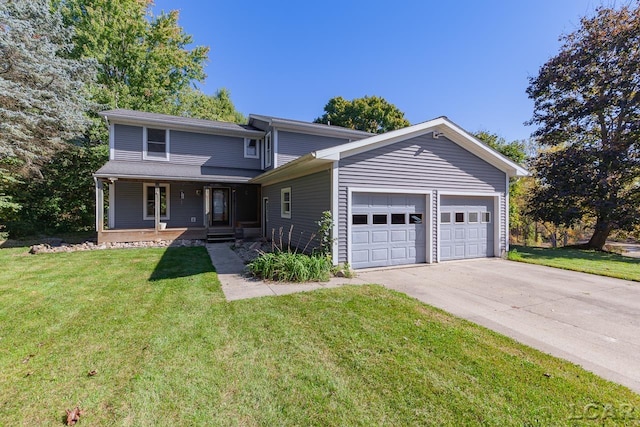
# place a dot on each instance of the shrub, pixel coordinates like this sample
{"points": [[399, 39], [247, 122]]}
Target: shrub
{"points": [[291, 267]]}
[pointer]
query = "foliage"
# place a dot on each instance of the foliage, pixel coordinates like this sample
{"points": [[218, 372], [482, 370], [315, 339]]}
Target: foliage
{"points": [[60, 201], [170, 350], [8, 207], [575, 259], [370, 114], [291, 267], [516, 151], [588, 111], [42, 94], [325, 232], [193, 103], [143, 60]]}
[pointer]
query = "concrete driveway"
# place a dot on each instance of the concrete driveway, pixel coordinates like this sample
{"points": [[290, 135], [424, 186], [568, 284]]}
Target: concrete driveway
{"points": [[590, 320]]}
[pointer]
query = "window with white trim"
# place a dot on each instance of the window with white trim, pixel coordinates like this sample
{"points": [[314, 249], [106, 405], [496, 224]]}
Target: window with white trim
{"points": [[149, 201], [251, 147], [285, 202], [268, 150], [156, 144]]}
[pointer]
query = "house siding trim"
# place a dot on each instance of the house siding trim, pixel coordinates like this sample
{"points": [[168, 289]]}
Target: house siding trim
{"points": [[390, 190], [335, 202], [112, 141], [498, 221]]}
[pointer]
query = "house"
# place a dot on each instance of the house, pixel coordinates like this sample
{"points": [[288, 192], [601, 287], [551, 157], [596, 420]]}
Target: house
{"points": [[426, 193]]}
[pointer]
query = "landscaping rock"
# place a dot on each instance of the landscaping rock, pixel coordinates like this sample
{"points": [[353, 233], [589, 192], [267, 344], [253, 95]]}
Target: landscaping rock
{"points": [[90, 246]]}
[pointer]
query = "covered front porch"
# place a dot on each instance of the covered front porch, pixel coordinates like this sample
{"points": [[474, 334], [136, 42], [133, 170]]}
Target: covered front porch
{"points": [[129, 210]]}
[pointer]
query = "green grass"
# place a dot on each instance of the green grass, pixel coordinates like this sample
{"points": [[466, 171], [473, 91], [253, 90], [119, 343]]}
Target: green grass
{"points": [[169, 350], [587, 261]]}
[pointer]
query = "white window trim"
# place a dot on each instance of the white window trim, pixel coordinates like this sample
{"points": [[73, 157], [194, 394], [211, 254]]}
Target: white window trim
{"points": [[145, 214], [268, 150], [283, 213], [247, 155], [167, 147]]}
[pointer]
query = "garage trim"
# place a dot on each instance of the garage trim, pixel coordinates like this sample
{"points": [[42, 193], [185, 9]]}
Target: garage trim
{"points": [[428, 213], [496, 209]]}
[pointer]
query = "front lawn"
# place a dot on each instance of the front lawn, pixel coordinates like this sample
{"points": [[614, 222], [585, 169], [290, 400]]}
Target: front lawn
{"points": [[167, 349], [594, 262]]}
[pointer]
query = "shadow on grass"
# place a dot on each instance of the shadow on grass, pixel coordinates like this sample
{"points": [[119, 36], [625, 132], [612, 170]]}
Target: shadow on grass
{"points": [[182, 262], [571, 253]]}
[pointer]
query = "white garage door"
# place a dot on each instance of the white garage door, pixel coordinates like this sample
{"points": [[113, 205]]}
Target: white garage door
{"points": [[466, 227], [387, 229]]}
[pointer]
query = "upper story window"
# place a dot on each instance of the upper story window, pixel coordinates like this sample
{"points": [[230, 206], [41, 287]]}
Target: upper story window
{"points": [[268, 150], [251, 149], [156, 144]]}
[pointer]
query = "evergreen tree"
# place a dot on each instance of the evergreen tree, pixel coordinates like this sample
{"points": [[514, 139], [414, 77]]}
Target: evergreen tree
{"points": [[42, 94]]}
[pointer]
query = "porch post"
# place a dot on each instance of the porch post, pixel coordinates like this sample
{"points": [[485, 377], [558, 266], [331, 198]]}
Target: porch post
{"points": [[157, 207], [99, 205], [207, 207]]}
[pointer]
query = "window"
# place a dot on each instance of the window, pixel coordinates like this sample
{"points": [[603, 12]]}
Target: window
{"points": [[359, 219], [445, 217], [459, 217], [150, 201], [285, 202], [398, 219], [486, 217], [156, 144], [251, 149], [380, 218], [473, 217], [415, 218], [268, 150]]}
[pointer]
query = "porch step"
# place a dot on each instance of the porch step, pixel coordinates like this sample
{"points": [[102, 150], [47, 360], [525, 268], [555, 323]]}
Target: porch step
{"points": [[220, 237]]}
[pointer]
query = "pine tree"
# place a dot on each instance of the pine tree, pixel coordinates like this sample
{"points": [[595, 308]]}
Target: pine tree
{"points": [[42, 94]]}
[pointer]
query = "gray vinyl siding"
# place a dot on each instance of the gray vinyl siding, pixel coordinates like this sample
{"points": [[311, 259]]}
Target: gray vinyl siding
{"points": [[127, 143], [129, 205], [190, 148], [292, 145], [310, 196], [186, 148], [420, 163]]}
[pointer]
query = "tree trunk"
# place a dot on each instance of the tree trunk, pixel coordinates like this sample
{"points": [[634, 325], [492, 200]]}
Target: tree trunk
{"points": [[599, 237]]}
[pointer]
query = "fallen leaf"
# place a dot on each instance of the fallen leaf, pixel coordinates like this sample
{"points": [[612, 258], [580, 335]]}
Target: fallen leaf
{"points": [[73, 416], [26, 359], [92, 372]]}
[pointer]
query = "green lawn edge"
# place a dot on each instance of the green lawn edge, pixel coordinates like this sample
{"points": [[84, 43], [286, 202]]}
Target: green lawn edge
{"points": [[170, 350], [586, 261]]}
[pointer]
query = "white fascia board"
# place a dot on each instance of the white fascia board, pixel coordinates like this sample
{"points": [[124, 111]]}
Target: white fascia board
{"points": [[355, 147], [168, 124], [441, 124]]}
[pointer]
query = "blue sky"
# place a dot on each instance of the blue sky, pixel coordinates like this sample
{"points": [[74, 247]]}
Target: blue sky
{"points": [[469, 60]]}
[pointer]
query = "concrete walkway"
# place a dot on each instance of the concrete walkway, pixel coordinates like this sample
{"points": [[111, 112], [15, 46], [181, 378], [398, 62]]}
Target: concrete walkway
{"points": [[237, 285], [590, 320]]}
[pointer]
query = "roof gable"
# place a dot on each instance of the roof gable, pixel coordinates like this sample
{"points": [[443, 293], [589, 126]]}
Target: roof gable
{"points": [[440, 126]]}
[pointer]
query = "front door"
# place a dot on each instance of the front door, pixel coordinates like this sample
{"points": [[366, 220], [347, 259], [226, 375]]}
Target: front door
{"points": [[220, 211]]}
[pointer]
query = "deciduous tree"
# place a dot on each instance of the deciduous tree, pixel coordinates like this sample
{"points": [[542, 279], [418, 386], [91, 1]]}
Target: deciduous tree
{"points": [[370, 114], [587, 107]]}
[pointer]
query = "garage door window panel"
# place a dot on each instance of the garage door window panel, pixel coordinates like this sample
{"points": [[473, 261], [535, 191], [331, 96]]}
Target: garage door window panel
{"points": [[398, 219], [415, 218], [360, 219], [379, 219], [486, 217], [445, 217], [473, 217], [459, 217]]}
